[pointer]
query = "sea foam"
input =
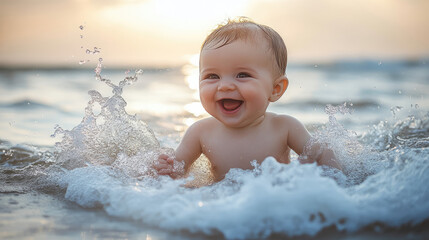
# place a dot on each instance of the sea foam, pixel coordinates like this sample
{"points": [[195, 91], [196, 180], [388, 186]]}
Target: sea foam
{"points": [[106, 162]]}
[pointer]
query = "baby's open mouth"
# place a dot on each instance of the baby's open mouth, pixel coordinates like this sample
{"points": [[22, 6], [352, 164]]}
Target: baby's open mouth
{"points": [[230, 104]]}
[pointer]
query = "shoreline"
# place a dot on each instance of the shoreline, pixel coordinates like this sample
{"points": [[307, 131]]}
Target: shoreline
{"points": [[36, 215]]}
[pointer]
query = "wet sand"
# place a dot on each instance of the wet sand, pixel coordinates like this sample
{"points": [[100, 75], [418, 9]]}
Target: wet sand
{"points": [[35, 215]]}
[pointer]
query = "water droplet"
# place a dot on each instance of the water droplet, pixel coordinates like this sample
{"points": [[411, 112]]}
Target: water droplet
{"points": [[9, 153], [396, 109], [97, 70], [95, 51]]}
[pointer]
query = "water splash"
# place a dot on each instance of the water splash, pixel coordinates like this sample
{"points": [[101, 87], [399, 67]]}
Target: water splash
{"points": [[106, 155], [358, 161], [395, 110], [411, 132], [111, 137], [96, 50], [83, 62]]}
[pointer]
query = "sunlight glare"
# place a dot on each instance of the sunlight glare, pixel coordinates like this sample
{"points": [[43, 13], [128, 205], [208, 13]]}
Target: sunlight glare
{"points": [[195, 109], [191, 71], [185, 16], [186, 11]]}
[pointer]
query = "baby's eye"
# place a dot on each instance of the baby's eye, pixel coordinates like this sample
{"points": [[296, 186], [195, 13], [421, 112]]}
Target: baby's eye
{"points": [[243, 75], [211, 76]]}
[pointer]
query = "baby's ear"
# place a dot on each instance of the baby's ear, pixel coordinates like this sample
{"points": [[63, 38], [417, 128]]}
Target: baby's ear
{"points": [[280, 86]]}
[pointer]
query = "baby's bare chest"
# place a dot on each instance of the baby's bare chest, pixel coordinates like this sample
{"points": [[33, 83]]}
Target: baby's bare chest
{"points": [[226, 151]]}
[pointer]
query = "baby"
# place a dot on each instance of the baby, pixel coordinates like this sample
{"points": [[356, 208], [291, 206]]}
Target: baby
{"points": [[242, 69]]}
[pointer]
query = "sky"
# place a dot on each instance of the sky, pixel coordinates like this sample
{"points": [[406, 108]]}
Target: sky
{"points": [[162, 33]]}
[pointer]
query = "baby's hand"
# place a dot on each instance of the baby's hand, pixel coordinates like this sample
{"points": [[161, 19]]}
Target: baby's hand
{"points": [[166, 166], [321, 154]]}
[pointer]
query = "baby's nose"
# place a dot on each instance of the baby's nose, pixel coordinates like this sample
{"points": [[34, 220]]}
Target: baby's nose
{"points": [[226, 85]]}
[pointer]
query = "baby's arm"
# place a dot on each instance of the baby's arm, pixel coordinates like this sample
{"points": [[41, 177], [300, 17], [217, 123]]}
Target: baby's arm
{"points": [[299, 141], [186, 153]]}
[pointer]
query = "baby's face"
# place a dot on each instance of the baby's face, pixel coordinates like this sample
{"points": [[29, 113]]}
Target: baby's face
{"points": [[236, 82]]}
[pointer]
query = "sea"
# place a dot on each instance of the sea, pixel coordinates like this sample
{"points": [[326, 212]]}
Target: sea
{"points": [[77, 147]]}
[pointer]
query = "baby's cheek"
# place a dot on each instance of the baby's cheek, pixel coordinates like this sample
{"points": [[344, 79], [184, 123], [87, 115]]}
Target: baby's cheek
{"points": [[259, 105], [256, 95], [204, 94], [206, 98]]}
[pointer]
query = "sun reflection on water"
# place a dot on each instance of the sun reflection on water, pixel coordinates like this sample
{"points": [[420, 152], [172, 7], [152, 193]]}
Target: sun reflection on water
{"points": [[201, 168], [191, 72]]}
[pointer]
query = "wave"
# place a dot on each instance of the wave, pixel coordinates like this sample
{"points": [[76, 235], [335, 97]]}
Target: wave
{"points": [[358, 104], [30, 104], [366, 65], [384, 184], [105, 163], [273, 198]]}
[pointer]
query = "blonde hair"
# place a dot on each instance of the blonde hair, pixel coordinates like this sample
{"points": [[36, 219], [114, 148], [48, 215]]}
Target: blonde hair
{"points": [[241, 29]]}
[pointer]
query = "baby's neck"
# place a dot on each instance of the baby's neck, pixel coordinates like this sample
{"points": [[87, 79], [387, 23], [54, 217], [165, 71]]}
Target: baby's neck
{"points": [[249, 126]]}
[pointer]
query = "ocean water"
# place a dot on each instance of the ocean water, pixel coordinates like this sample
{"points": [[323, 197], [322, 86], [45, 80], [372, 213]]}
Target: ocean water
{"points": [[76, 148]]}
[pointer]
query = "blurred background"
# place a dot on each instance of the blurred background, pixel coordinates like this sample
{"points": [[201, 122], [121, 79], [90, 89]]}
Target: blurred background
{"points": [[161, 33], [372, 54]]}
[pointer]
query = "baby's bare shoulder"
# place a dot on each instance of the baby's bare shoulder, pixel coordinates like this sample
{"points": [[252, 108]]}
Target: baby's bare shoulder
{"points": [[203, 124], [296, 133], [197, 130], [283, 120]]}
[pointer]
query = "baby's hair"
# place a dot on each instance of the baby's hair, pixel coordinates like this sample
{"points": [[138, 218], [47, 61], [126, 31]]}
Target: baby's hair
{"points": [[241, 29]]}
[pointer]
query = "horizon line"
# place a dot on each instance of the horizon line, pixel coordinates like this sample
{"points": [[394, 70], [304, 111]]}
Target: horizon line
{"points": [[147, 67]]}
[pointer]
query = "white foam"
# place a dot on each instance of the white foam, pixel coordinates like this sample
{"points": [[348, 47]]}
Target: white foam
{"points": [[291, 199], [385, 181]]}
